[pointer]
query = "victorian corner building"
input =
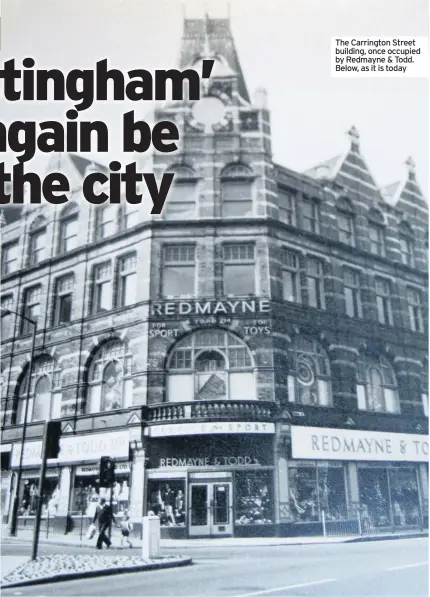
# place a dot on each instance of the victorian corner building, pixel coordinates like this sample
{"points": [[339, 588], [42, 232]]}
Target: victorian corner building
{"points": [[255, 358]]}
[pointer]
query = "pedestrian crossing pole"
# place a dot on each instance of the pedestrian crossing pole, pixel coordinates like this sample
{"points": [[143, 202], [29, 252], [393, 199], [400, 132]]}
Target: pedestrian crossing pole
{"points": [[50, 449], [111, 510]]}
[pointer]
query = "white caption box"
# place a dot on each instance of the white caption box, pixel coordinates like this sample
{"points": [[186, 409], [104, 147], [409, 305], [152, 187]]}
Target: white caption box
{"points": [[402, 56]]}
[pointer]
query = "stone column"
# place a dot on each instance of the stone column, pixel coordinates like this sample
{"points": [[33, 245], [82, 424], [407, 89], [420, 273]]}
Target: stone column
{"points": [[281, 463], [423, 480], [137, 492], [353, 489], [343, 363], [65, 488]]}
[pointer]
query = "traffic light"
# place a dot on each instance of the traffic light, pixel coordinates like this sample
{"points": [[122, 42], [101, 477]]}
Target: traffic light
{"points": [[107, 471], [53, 435]]}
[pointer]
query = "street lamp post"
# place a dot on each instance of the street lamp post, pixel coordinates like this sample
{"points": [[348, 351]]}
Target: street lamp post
{"points": [[15, 506]]}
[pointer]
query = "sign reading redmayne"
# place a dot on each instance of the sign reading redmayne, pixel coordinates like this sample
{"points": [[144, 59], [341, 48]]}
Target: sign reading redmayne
{"points": [[211, 307]]}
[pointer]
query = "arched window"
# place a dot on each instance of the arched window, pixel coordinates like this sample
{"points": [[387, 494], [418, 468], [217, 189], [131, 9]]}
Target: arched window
{"points": [[236, 191], [376, 386], [37, 241], [309, 378], [181, 199], [105, 221], [210, 365], [345, 221], [376, 232], [45, 378], [68, 228], [406, 240], [110, 383]]}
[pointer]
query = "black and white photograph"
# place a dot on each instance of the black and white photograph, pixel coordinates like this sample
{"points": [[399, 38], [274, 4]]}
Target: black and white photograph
{"points": [[214, 298]]}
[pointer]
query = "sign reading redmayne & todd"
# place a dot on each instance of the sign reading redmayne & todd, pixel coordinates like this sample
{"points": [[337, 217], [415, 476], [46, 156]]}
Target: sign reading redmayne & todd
{"points": [[317, 443]]}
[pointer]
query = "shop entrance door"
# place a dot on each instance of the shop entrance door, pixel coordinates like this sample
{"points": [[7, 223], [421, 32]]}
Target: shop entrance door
{"points": [[210, 509]]}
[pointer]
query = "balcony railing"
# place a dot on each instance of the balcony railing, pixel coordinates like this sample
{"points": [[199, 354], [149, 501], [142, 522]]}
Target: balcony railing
{"points": [[212, 410]]}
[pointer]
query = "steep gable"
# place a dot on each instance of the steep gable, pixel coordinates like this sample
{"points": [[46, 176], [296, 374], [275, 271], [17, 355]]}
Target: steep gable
{"points": [[408, 195]]}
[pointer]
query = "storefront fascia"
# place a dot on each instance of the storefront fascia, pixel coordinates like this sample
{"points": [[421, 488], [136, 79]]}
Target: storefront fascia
{"points": [[212, 479], [379, 477], [71, 486]]}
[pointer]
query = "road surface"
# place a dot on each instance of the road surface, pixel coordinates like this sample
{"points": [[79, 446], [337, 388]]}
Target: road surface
{"points": [[373, 569]]}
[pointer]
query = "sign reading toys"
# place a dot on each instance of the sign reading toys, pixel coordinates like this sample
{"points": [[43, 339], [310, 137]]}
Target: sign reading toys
{"points": [[317, 443]]}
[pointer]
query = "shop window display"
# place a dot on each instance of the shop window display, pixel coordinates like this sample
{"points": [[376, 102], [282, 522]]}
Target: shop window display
{"points": [[405, 497], [166, 499], [317, 488], [254, 497], [389, 496], [31, 496], [87, 493]]}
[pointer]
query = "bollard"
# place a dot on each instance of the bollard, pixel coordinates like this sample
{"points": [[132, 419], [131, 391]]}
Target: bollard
{"points": [[150, 537]]}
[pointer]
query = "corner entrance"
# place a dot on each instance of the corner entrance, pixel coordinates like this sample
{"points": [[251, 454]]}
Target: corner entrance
{"points": [[210, 508]]}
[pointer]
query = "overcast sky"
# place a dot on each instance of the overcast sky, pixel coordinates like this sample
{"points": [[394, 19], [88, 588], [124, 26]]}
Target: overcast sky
{"points": [[283, 45]]}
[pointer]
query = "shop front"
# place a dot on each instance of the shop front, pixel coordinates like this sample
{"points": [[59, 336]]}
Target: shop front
{"points": [[376, 481], [215, 482], [71, 489]]}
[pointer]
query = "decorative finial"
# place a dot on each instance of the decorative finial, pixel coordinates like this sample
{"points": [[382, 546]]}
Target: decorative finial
{"points": [[354, 136], [410, 164], [206, 47]]}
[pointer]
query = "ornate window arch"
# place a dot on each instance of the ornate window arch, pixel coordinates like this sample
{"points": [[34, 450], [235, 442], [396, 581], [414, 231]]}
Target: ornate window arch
{"points": [[406, 241], [109, 378], [309, 381], [68, 228], [377, 385], [236, 190], [181, 202], [210, 365], [345, 220], [45, 380]]}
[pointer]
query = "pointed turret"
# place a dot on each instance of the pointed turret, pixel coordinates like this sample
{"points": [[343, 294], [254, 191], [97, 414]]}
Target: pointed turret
{"points": [[212, 39]]}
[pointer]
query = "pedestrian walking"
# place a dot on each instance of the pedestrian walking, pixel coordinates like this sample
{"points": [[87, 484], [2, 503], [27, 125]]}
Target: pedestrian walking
{"points": [[126, 528], [104, 517]]}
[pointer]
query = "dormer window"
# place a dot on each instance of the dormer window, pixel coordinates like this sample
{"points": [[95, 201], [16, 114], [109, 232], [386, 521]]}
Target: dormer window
{"points": [[37, 243], [236, 191], [376, 232], [68, 237], [287, 207], [406, 240], [105, 221], [345, 220], [310, 215], [181, 199]]}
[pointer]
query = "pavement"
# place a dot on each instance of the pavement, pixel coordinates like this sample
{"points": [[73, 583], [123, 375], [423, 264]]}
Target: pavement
{"points": [[374, 569], [72, 539]]}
